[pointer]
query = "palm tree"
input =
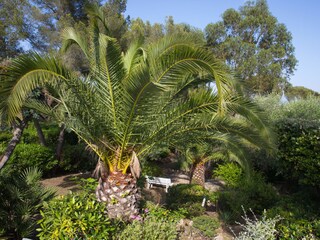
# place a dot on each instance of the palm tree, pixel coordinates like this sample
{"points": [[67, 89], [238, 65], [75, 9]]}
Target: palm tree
{"points": [[126, 104]]}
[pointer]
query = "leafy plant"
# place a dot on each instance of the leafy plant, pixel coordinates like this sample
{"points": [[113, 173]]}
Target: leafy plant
{"points": [[298, 151], [258, 229], [300, 217], [22, 196], [189, 197], [206, 224], [75, 216], [28, 155], [76, 158], [151, 168], [161, 213], [5, 136], [230, 173], [151, 228], [252, 193]]}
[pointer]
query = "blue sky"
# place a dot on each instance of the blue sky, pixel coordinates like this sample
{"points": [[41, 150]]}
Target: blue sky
{"points": [[302, 19]]}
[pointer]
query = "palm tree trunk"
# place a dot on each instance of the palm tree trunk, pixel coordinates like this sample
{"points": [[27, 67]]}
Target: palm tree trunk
{"points": [[198, 172], [39, 132], [17, 133], [60, 143], [119, 191]]}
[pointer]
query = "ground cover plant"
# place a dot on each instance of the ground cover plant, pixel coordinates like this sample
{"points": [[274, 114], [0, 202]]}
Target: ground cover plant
{"points": [[189, 197], [206, 224]]}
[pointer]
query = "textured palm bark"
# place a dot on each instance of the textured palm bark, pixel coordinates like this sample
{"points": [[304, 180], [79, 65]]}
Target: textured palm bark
{"points": [[60, 143], [41, 137], [119, 191], [17, 133], [198, 175]]}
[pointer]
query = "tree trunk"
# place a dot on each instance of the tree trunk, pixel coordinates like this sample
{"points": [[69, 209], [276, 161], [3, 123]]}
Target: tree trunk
{"points": [[119, 191], [17, 133], [198, 174], [39, 131], [60, 143]]}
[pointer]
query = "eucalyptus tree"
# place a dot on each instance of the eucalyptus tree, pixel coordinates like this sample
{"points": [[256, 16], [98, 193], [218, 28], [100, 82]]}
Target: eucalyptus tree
{"points": [[255, 45], [126, 104]]}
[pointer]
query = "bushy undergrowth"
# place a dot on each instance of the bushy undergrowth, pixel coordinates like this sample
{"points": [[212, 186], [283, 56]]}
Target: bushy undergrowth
{"points": [[252, 193], [75, 216], [27, 155], [206, 224], [299, 147], [22, 196], [75, 158], [230, 173], [151, 168], [258, 229], [297, 126], [189, 197], [300, 216], [151, 228], [159, 212]]}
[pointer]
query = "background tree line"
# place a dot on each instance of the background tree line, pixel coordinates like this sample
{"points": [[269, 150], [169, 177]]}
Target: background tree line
{"points": [[250, 40]]}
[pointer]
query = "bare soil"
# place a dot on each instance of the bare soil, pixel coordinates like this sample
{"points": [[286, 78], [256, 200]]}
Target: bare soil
{"points": [[65, 184]]}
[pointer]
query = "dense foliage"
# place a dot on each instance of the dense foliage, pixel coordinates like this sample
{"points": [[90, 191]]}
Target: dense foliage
{"points": [[299, 147], [206, 224], [258, 229], [189, 197], [33, 154], [251, 193], [297, 126], [149, 228], [75, 216], [230, 173], [22, 196]]}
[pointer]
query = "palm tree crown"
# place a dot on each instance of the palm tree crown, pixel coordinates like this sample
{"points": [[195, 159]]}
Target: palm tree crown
{"points": [[125, 104]]}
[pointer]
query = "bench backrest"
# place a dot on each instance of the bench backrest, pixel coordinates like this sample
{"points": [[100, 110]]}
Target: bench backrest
{"points": [[159, 180]]}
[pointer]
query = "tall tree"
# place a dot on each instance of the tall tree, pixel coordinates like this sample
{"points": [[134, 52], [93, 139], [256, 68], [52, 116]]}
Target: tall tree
{"points": [[129, 103], [255, 45]]}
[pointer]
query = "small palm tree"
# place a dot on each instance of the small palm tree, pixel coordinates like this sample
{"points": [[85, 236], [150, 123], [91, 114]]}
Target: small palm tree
{"points": [[22, 196], [126, 104]]}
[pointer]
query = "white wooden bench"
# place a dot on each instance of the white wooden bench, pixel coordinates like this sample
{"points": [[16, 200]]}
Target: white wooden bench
{"points": [[158, 181]]}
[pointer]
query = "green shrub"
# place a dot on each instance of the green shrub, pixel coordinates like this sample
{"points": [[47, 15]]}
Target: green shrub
{"points": [[252, 193], [27, 155], [5, 136], [161, 213], [151, 168], [298, 151], [75, 216], [158, 154], [299, 214], [230, 173], [2, 147], [76, 158], [298, 229], [188, 197], [259, 229], [297, 125], [22, 196], [151, 228], [206, 224], [30, 136]]}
